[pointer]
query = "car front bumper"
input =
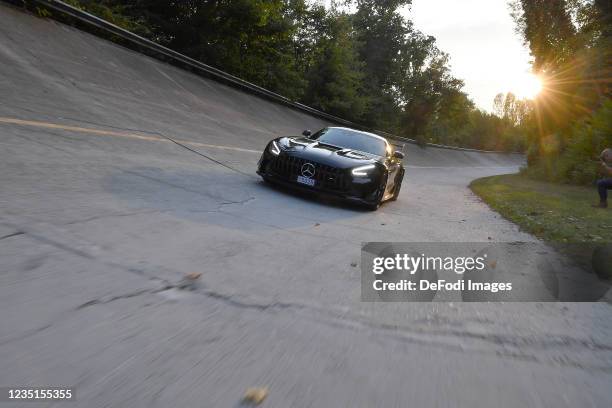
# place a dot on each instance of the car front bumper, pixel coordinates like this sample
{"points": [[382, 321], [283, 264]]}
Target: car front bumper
{"points": [[337, 182]]}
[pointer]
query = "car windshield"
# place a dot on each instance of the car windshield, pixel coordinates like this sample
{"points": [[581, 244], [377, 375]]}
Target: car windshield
{"points": [[350, 139]]}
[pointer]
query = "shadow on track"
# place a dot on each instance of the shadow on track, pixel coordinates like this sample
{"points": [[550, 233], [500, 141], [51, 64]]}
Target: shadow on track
{"points": [[226, 199]]}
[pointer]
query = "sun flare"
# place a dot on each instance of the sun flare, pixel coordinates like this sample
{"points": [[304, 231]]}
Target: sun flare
{"points": [[527, 86]]}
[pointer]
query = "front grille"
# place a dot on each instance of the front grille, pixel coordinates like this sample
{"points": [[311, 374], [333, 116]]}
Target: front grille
{"points": [[327, 177]]}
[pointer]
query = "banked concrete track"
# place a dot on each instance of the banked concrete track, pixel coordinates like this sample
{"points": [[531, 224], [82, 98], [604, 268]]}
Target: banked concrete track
{"points": [[101, 217]]}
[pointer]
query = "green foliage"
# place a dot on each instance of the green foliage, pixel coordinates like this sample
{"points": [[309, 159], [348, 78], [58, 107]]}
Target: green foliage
{"points": [[381, 33], [111, 11], [578, 163], [42, 12], [335, 79], [460, 124]]}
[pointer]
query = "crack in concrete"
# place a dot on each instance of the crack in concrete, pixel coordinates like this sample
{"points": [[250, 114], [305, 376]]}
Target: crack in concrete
{"points": [[25, 335], [14, 234], [241, 202], [190, 286], [112, 215], [123, 296], [230, 300], [222, 200], [58, 245]]}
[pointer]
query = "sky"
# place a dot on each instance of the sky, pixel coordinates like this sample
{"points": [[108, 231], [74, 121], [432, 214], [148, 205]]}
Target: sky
{"points": [[485, 52]]}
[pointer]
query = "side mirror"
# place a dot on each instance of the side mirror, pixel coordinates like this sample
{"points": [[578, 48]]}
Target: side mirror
{"points": [[307, 133], [398, 155]]}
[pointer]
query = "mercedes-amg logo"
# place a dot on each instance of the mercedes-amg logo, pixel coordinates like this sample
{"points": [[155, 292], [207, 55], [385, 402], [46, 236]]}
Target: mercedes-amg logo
{"points": [[308, 170]]}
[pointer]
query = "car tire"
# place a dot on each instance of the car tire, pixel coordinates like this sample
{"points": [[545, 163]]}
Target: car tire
{"points": [[398, 186], [380, 194]]}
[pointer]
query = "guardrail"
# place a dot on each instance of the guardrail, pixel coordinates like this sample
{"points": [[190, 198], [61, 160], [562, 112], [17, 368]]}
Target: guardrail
{"points": [[153, 48]]}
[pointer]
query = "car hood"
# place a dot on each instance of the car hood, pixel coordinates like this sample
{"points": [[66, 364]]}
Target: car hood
{"points": [[325, 154]]}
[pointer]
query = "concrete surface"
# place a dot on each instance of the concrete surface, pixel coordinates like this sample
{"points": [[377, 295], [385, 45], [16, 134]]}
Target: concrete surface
{"points": [[101, 217]]}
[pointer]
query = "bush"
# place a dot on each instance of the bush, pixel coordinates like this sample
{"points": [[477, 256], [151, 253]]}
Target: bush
{"points": [[577, 162]]}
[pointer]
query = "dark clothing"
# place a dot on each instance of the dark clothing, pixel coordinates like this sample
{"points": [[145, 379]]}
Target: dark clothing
{"points": [[603, 186]]}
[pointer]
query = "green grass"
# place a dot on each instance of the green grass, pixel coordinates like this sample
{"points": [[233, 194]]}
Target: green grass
{"points": [[552, 212]]}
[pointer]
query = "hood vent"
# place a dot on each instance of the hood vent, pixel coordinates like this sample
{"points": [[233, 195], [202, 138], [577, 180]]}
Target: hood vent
{"points": [[351, 154]]}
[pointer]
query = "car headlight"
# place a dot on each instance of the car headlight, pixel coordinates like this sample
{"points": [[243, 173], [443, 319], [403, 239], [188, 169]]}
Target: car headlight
{"points": [[363, 170], [274, 149]]}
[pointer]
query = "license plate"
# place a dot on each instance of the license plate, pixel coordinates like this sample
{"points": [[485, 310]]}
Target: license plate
{"points": [[305, 180]]}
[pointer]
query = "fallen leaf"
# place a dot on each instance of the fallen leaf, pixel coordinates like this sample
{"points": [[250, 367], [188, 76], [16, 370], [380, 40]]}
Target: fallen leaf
{"points": [[255, 395], [193, 276], [189, 281]]}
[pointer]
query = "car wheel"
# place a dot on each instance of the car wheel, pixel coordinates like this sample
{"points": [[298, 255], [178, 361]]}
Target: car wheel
{"points": [[380, 194], [398, 185]]}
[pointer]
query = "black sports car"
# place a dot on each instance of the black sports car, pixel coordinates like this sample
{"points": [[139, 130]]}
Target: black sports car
{"points": [[348, 163]]}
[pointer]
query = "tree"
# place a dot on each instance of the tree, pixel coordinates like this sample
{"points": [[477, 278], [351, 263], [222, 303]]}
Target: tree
{"points": [[335, 81], [380, 33], [426, 82], [547, 28]]}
